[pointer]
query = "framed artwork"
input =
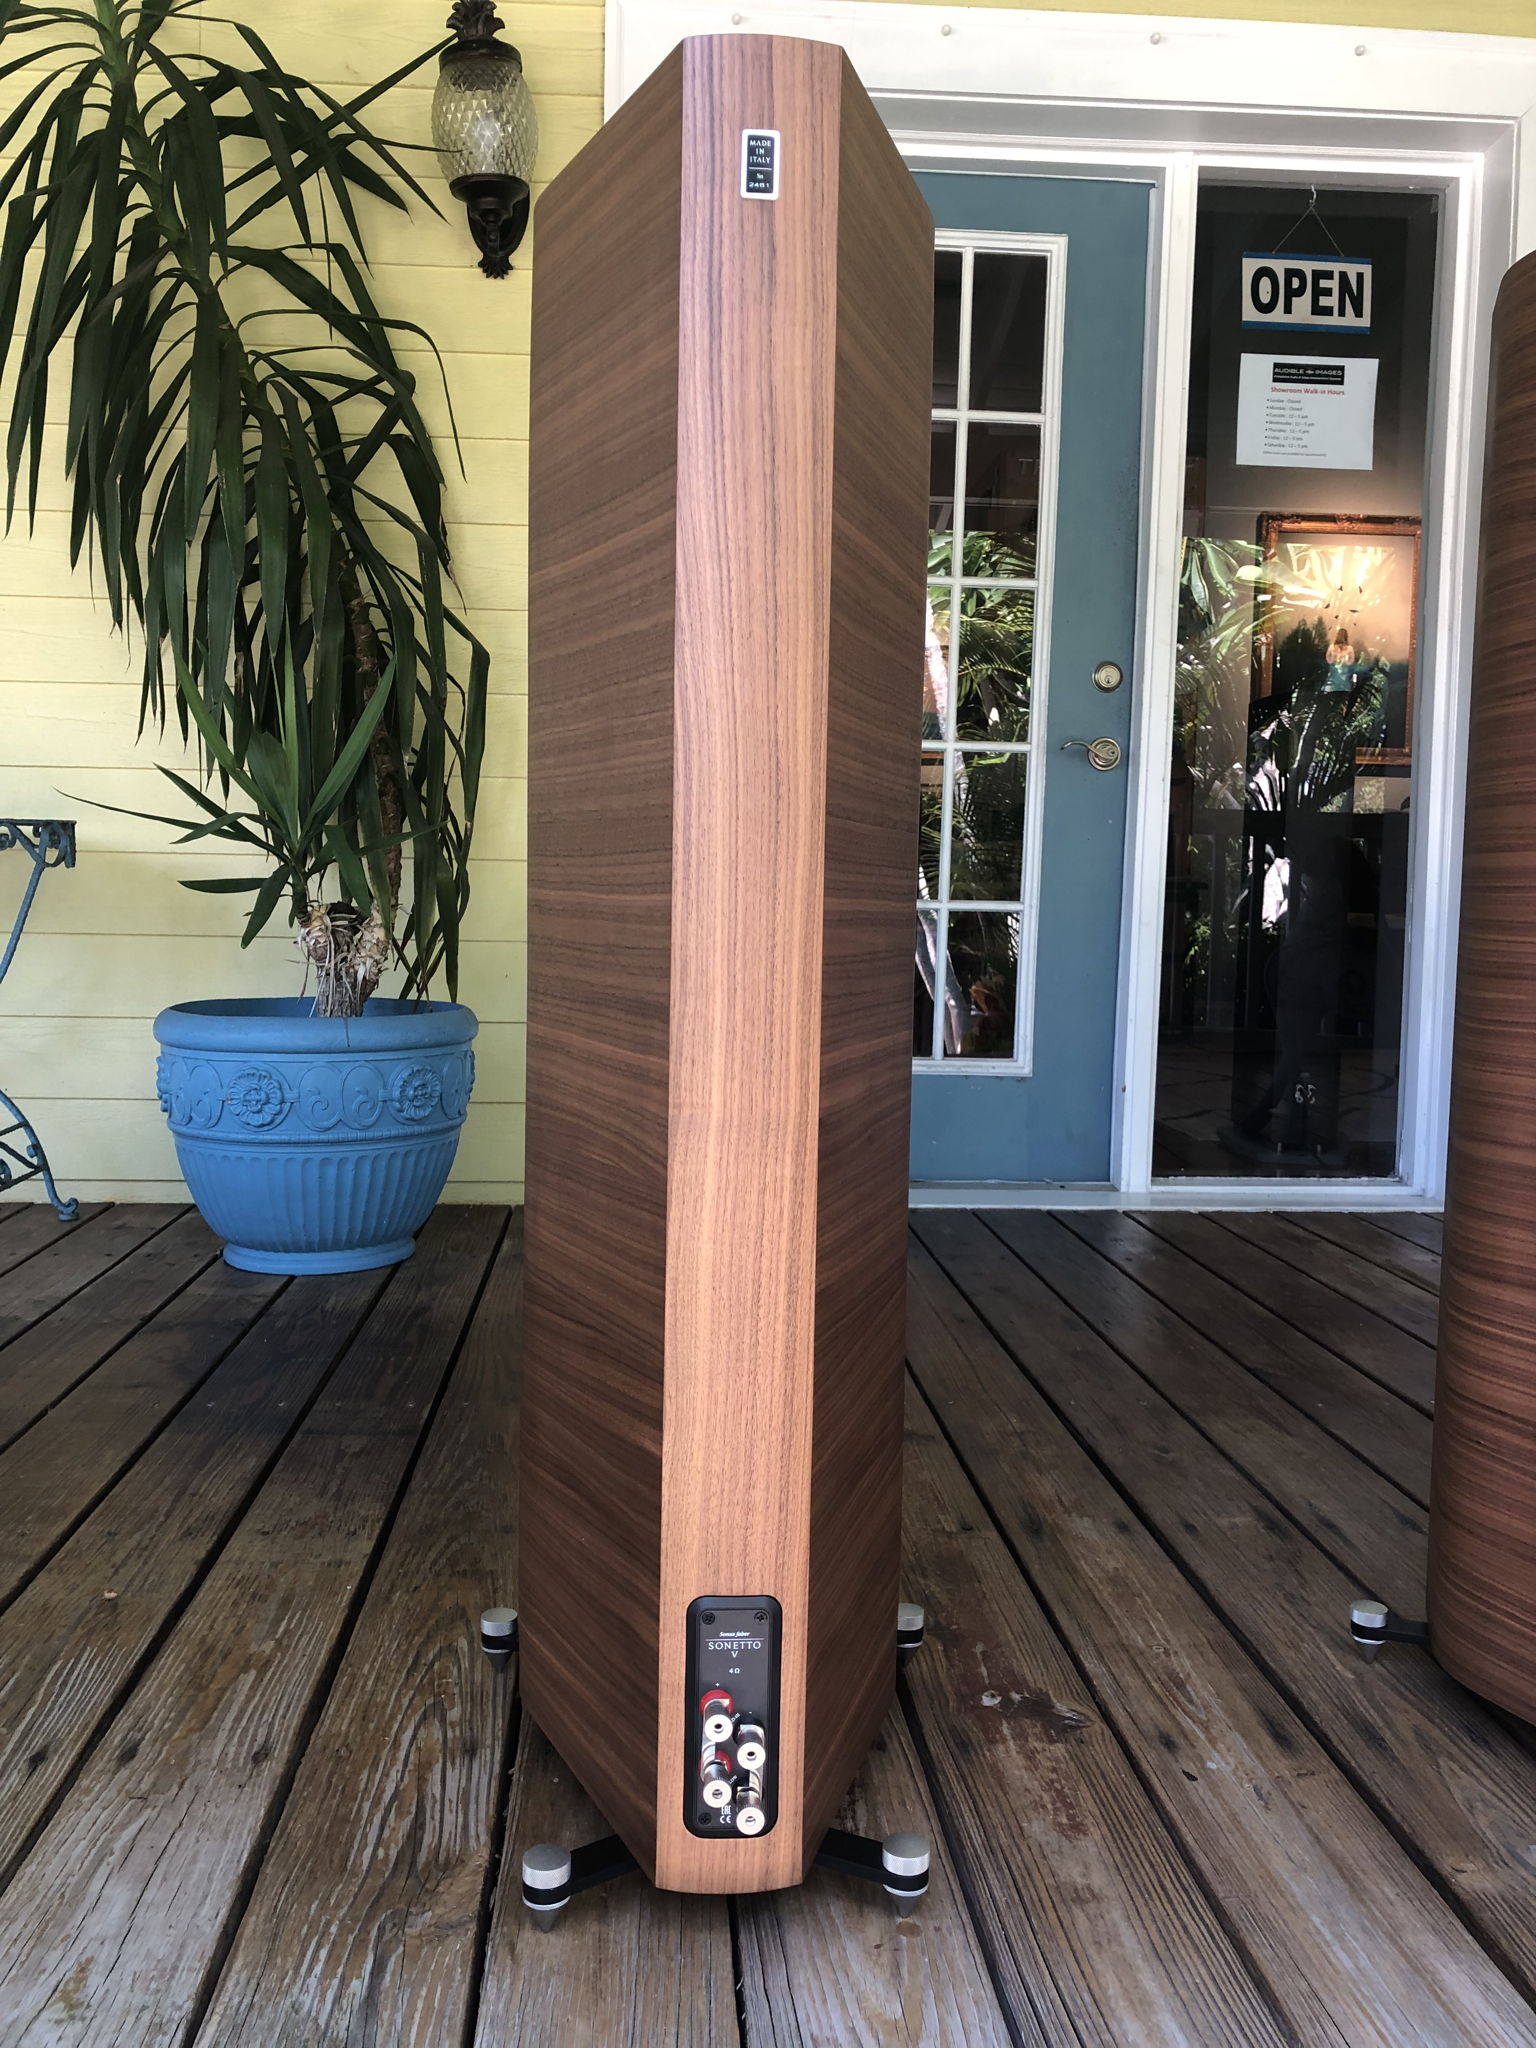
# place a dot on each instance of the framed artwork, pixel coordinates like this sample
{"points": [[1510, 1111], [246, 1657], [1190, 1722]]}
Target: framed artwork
{"points": [[1343, 591]]}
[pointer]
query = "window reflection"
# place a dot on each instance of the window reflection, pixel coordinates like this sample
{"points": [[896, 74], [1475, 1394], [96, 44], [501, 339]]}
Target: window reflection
{"points": [[1007, 354], [1288, 859], [987, 826], [1286, 921], [975, 788], [1002, 492], [948, 265], [941, 498], [983, 961]]}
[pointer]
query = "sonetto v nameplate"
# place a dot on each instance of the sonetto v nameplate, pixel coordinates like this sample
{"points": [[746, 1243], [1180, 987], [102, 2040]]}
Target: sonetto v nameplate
{"points": [[731, 1777]]}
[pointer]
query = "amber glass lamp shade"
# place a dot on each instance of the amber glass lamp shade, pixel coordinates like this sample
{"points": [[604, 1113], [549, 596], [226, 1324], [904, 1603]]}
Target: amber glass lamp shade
{"points": [[486, 133]]}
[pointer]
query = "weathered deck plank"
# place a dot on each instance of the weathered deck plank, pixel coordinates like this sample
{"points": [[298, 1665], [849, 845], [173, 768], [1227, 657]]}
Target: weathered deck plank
{"points": [[42, 1363], [1385, 1294], [34, 1227], [74, 1639], [50, 1475], [622, 1967], [1402, 1364], [59, 1272], [1372, 1529], [363, 1922], [254, 1796], [1353, 1943], [1097, 1928], [1380, 1427], [1413, 1262], [836, 1960], [1418, 1226], [114, 1921]]}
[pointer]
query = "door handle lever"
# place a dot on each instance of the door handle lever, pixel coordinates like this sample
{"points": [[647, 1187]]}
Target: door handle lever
{"points": [[1102, 753]]}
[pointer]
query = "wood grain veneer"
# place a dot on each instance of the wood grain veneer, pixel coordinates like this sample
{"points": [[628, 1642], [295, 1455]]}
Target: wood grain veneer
{"points": [[879, 527], [1482, 1574], [602, 516], [728, 484]]}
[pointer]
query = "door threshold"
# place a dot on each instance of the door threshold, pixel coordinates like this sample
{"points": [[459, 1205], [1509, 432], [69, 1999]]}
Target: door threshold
{"points": [[1171, 1194]]}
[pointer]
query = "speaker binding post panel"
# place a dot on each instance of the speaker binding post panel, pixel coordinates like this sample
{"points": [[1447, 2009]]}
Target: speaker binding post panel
{"points": [[728, 526]]}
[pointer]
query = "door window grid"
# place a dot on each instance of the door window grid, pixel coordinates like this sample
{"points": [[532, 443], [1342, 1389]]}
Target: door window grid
{"points": [[946, 753]]}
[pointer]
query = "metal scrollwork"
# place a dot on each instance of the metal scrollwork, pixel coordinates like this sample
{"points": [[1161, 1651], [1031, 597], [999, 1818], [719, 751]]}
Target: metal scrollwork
{"points": [[47, 843]]}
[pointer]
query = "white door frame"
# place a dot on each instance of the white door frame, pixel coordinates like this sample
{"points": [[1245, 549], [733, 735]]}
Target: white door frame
{"points": [[1010, 91]]}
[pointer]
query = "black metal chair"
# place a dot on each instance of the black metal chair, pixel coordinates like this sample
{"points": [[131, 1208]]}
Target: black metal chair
{"points": [[48, 843]]}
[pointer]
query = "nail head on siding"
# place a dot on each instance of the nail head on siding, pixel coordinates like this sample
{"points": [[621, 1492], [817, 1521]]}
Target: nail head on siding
{"points": [[1157, 39], [946, 30], [1359, 49]]}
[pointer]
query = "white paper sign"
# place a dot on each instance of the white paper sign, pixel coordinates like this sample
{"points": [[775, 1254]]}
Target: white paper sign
{"points": [[1306, 412]]}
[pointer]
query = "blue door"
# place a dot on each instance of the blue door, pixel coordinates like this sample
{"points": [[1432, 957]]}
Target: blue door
{"points": [[1040, 310]]}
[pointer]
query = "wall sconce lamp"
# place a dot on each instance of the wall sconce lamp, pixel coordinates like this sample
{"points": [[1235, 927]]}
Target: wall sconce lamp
{"points": [[486, 131]]}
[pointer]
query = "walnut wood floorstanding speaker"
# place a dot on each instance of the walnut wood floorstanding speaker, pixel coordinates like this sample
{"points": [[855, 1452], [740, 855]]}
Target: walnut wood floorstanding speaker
{"points": [[731, 338], [1482, 1591]]}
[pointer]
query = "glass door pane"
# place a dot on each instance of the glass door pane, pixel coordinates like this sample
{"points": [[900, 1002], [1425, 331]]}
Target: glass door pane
{"points": [[992, 429], [1286, 923]]}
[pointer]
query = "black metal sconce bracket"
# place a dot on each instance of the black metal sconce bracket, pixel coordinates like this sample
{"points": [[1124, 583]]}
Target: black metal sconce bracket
{"points": [[498, 217]]}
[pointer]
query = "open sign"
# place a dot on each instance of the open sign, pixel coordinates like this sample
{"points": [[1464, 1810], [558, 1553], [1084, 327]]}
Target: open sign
{"points": [[1306, 291]]}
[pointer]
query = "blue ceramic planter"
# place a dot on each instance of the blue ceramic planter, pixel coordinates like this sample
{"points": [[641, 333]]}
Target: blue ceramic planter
{"points": [[315, 1144]]}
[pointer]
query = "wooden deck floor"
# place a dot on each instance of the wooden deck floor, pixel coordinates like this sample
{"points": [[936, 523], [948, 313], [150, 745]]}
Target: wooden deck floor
{"points": [[259, 1785]]}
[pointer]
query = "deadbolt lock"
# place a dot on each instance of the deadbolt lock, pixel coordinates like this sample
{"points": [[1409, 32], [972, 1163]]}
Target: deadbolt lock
{"points": [[1103, 753], [1109, 675]]}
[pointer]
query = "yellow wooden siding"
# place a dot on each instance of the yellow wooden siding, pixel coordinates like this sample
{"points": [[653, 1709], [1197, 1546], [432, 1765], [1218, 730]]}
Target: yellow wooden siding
{"points": [[114, 941]]}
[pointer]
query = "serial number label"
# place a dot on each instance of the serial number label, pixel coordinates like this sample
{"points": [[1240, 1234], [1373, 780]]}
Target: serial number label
{"points": [[759, 163]]}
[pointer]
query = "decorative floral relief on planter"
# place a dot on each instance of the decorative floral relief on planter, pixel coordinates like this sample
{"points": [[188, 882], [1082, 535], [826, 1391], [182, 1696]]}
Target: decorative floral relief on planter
{"points": [[323, 1096], [257, 1097], [415, 1092], [458, 1080]]}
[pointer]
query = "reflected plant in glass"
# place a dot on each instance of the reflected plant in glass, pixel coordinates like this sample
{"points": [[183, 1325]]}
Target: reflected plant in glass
{"points": [[984, 963], [997, 631], [930, 831], [1303, 756], [1224, 604], [976, 692], [1294, 693], [987, 827]]}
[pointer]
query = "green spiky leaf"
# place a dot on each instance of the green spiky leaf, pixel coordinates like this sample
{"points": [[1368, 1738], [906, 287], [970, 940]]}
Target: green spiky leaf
{"points": [[245, 504]]}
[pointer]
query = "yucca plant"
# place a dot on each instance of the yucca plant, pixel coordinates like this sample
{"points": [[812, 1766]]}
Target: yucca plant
{"points": [[252, 475]]}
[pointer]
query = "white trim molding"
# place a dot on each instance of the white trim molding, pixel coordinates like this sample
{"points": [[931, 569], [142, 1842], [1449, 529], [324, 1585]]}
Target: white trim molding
{"points": [[1169, 100]]}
